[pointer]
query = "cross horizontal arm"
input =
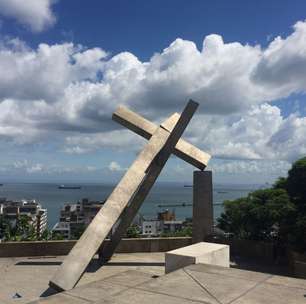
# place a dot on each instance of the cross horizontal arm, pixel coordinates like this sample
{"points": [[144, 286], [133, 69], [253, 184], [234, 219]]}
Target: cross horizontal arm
{"points": [[146, 129]]}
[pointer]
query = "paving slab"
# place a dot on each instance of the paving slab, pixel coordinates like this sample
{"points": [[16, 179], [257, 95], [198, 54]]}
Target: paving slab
{"points": [[97, 291], [230, 272], [178, 284], [61, 298], [287, 281], [130, 278], [224, 288], [137, 296], [273, 294]]}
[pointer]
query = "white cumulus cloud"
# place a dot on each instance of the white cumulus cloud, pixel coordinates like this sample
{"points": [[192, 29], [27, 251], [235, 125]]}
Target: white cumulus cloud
{"points": [[114, 166], [35, 14], [67, 92]]}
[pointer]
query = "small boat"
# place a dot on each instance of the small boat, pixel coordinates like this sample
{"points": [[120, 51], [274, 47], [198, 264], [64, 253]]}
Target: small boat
{"points": [[69, 187], [188, 186], [222, 191]]}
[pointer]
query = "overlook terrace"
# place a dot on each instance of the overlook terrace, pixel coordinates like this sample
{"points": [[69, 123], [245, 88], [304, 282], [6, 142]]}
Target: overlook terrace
{"points": [[139, 276]]}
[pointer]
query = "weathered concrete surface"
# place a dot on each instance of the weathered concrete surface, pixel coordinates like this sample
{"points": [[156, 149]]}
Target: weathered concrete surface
{"points": [[202, 217], [30, 276], [146, 128], [198, 283], [203, 252], [155, 153], [132, 209]]}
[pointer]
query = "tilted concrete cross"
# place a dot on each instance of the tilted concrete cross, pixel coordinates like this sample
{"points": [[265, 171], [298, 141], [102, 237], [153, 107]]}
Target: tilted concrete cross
{"points": [[127, 197]]}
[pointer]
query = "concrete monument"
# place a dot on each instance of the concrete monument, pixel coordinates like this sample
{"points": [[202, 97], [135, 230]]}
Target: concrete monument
{"points": [[125, 200]]}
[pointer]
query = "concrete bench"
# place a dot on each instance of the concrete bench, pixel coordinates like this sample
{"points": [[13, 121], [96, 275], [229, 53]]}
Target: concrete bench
{"points": [[207, 253]]}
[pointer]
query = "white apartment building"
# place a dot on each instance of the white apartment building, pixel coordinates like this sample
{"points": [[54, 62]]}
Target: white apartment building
{"points": [[37, 216], [152, 227]]}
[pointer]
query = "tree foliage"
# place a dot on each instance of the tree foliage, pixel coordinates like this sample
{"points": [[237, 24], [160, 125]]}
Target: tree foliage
{"points": [[19, 230], [275, 214], [186, 231], [296, 184], [133, 232], [259, 216]]}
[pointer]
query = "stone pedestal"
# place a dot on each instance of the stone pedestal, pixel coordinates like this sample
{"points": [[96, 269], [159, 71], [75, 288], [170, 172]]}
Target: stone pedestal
{"points": [[206, 253], [203, 219]]}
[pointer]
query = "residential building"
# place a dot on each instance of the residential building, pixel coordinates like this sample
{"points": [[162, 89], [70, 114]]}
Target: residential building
{"points": [[165, 223], [166, 215], [12, 210], [63, 229], [74, 218], [172, 226], [152, 227]]}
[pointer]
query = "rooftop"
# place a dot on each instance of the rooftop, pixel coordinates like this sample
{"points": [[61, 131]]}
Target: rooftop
{"points": [[139, 278]]}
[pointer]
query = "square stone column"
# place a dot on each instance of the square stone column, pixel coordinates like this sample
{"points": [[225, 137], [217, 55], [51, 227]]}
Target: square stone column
{"points": [[203, 218]]}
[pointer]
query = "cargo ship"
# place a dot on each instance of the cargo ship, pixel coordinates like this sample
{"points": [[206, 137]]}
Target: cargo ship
{"points": [[69, 187]]}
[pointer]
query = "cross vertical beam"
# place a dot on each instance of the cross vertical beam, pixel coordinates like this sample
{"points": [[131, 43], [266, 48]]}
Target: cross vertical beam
{"points": [[157, 151], [106, 252]]}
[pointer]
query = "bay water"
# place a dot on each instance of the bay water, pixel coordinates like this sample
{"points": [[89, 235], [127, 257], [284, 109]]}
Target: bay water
{"points": [[161, 197]]}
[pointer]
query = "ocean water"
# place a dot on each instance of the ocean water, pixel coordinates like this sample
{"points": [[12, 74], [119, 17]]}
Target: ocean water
{"points": [[53, 198]]}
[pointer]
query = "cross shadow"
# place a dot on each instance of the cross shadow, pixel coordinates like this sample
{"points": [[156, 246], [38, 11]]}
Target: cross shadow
{"points": [[135, 264], [93, 266], [48, 292], [38, 263], [96, 264]]}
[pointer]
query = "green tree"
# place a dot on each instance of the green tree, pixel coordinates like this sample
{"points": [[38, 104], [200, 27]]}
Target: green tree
{"points": [[296, 184], [281, 183], [21, 230], [263, 215], [56, 236], [272, 214], [45, 236], [133, 232], [78, 231], [296, 187], [24, 230], [3, 227], [186, 231]]}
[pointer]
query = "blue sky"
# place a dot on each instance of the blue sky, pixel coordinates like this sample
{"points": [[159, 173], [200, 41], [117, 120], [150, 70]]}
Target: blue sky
{"points": [[66, 65]]}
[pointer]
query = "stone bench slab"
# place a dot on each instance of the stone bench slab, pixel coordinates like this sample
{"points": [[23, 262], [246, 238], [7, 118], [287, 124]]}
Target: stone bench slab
{"points": [[203, 252]]}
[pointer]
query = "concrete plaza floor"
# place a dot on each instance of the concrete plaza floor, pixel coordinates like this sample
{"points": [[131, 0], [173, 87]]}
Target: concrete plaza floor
{"points": [[29, 277], [139, 278]]}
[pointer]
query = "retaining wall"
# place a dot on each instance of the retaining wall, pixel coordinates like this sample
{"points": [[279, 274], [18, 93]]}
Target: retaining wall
{"points": [[53, 248]]}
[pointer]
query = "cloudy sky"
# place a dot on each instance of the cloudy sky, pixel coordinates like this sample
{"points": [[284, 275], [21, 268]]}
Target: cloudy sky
{"points": [[66, 65]]}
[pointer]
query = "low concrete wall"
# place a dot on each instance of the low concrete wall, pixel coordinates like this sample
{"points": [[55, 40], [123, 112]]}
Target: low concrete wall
{"points": [[297, 263], [53, 248], [41, 248], [250, 249]]}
